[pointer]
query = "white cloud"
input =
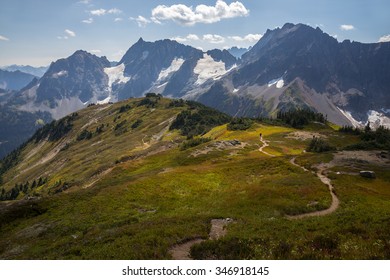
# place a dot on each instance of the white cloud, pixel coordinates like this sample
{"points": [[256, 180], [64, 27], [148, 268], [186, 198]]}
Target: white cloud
{"points": [[118, 19], [189, 37], [186, 15], [85, 1], [70, 33], [250, 38], [385, 38], [99, 12], [88, 21], [214, 39], [114, 11], [347, 27], [102, 12], [2, 38], [141, 21], [193, 37], [179, 39], [95, 51]]}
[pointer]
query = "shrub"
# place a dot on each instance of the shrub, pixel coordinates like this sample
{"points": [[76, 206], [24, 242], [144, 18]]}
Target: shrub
{"points": [[194, 142], [136, 124], [223, 249]]}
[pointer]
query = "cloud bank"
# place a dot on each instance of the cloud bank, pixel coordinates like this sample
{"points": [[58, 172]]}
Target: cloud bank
{"points": [[383, 39], [188, 16]]}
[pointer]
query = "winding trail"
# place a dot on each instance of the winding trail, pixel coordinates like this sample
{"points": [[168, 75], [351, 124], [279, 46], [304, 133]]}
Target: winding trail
{"points": [[218, 230], [325, 180], [265, 144]]}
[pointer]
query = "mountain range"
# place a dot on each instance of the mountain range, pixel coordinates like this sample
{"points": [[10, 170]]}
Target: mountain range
{"points": [[14, 80], [35, 71], [295, 66]]}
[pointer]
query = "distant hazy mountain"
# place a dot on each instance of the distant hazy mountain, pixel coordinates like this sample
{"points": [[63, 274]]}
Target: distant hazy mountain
{"points": [[17, 126], [35, 71], [14, 80], [238, 52]]}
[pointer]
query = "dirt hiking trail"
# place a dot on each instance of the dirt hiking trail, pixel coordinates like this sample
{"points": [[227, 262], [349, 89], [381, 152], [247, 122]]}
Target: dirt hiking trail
{"points": [[325, 180], [265, 144], [218, 230]]}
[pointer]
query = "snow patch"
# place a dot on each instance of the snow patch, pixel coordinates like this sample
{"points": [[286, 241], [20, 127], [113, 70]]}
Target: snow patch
{"points": [[207, 68], [378, 119], [279, 82], [175, 65], [235, 90], [60, 74], [348, 115], [164, 84], [145, 54], [64, 107], [104, 101], [116, 75], [386, 111]]}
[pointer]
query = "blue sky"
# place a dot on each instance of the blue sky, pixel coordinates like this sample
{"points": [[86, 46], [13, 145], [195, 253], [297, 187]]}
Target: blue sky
{"points": [[36, 32]]}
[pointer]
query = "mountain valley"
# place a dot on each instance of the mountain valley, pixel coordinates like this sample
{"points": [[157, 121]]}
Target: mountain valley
{"points": [[133, 179]]}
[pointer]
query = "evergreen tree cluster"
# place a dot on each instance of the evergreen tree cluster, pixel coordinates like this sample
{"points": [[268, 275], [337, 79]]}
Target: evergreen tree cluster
{"points": [[120, 128], [10, 161], [124, 108], [56, 129], [177, 103], [318, 145], [84, 135], [25, 188], [198, 120], [136, 124], [150, 101], [239, 124], [348, 129], [370, 139], [300, 117]]}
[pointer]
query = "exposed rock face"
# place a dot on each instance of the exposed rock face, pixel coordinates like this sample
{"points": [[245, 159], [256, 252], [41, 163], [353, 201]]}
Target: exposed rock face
{"points": [[299, 66], [368, 174]]}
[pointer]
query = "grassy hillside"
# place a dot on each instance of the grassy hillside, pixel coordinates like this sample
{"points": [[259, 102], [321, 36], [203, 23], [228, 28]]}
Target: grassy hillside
{"points": [[130, 180]]}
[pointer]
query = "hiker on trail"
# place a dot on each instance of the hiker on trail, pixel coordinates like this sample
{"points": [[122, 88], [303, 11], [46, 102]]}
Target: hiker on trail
{"points": [[261, 136]]}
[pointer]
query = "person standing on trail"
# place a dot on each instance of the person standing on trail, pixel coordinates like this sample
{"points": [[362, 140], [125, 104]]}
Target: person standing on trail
{"points": [[261, 136]]}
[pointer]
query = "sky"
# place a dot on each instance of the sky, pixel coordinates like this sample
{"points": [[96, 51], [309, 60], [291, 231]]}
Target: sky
{"points": [[37, 32]]}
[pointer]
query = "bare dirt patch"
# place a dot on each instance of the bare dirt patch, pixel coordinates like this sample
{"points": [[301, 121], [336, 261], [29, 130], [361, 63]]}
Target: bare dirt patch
{"points": [[220, 146], [304, 135]]}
